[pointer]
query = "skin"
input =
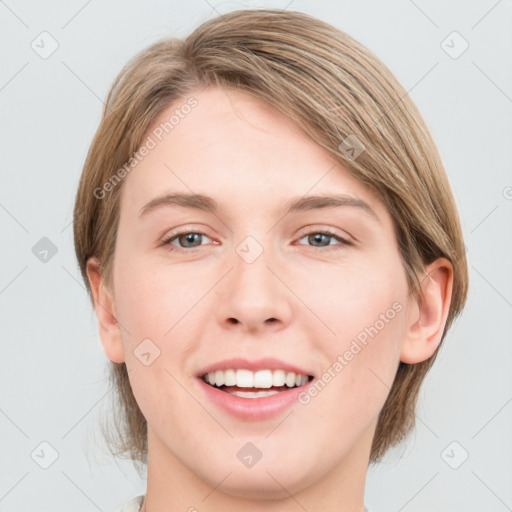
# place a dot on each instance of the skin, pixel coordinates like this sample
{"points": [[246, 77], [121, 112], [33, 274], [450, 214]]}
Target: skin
{"points": [[321, 294]]}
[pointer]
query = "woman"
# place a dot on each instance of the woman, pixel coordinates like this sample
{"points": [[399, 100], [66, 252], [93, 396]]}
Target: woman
{"points": [[274, 256]]}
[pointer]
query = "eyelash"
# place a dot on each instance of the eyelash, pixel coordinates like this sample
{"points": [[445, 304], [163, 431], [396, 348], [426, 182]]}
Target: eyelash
{"points": [[330, 234]]}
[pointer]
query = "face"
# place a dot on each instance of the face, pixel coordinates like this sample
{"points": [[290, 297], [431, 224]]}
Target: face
{"points": [[313, 288]]}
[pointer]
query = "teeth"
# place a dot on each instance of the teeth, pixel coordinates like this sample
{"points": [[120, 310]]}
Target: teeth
{"points": [[254, 394], [260, 379], [278, 378], [244, 379], [263, 379], [290, 379], [230, 378], [219, 378]]}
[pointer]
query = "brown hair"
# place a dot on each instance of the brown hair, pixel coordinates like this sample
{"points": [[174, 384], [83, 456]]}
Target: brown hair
{"points": [[332, 87]]}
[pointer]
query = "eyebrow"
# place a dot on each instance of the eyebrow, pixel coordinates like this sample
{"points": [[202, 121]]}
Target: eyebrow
{"points": [[295, 205]]}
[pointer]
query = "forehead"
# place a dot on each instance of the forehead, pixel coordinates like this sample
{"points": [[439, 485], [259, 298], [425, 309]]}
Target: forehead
{"points": [[238, 149]]}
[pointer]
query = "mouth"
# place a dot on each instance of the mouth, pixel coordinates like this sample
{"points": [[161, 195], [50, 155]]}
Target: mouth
{"points": [[262, 383]]}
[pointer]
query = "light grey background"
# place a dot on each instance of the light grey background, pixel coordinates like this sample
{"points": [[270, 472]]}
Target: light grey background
{"points": [[53, 386]]}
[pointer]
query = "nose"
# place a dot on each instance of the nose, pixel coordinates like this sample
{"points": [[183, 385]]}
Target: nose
{"points": [[252, 296]]}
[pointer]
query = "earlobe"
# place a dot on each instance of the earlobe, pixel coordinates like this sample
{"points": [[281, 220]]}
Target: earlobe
{"points": [[428, 317], [110, 333]]}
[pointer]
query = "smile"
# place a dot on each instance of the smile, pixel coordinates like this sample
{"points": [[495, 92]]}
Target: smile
{"points": [[262, 383]]}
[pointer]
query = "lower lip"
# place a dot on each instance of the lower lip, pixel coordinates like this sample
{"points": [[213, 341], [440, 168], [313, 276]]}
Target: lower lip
{"points": [[253, 409]]}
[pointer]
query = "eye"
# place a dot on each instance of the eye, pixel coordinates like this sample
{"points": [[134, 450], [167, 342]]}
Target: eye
{"points": [[185, 240], [324, 239], [189, 241]]}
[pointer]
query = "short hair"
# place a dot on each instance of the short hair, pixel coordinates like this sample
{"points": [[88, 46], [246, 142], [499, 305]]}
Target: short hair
{"points": [[333, 88]]}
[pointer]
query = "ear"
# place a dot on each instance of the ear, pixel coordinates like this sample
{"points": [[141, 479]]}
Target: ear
{"points": [[428, 315], [110, 332]]}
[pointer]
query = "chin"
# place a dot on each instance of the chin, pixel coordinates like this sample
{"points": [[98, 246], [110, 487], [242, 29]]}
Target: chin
{"points": [[259, 484], [273, 479]]}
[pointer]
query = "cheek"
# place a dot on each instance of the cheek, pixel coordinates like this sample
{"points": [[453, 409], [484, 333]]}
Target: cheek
{"points": [[364, 311], [152, 299], [158, 318], [157, 308], [160, 393], [353, 298]]}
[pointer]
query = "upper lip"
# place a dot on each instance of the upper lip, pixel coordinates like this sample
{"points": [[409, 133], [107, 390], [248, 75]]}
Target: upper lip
{"points": [[266, 363]]}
